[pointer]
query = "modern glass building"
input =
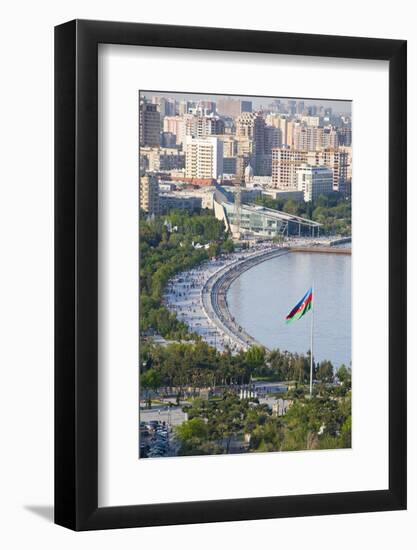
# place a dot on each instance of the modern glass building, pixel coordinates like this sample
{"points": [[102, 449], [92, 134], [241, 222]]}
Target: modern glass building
{"points": [[261, 221]]}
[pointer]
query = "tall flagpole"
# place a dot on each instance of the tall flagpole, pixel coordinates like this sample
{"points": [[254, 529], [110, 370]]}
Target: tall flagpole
{"points": [[311, 342]]}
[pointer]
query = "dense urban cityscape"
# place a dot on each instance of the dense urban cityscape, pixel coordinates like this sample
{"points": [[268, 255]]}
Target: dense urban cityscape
{"points": [[226, 185]]}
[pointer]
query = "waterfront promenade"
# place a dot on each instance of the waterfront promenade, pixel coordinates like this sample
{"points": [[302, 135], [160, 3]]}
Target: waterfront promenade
{"points": [[214, 295], [199, 296], [193, 296]]}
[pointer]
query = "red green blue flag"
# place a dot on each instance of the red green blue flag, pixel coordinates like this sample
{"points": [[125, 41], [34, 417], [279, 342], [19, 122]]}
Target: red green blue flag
{"points": [[303, 306]]}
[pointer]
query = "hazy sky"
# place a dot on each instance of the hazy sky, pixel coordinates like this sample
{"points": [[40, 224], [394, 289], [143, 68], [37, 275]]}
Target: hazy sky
{"points": [[338, 106]]}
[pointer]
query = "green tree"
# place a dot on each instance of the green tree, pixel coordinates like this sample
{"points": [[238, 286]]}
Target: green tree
{"points": [[325, 372], [193, 436], [290, 206], [344, 374], [195, 428], [150, 379], [255, 356]]}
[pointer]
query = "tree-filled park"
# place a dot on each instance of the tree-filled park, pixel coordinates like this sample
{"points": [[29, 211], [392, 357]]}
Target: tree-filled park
{"points": [[167, 247], [222, 421], [207, 384]]}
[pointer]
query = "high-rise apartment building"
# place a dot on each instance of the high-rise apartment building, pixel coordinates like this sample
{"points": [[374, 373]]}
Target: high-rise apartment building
{"points": [[149, 194], [273, 138], [229, 145], [201, 126], [272, 119], [285, 163], [166, 105], [175, 125], [207, 107], [171, 159], [314, 181], [149, 159], [242, 161], [168, 139], [282, 125], [244, 146], [291, 124], [280, 122], [229, 165], [250, 126], [149, 124], [330, 138], [203, 157], [348, 151], [338, 163], [344, 135], [307, 138], [250, 129], [184, 107]]}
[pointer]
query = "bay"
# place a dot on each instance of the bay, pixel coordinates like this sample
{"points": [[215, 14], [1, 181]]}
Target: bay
{"points": [[261, 298]]}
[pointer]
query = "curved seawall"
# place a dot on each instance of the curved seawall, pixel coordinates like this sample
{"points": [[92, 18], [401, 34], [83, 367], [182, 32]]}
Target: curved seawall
{"points": [[202, 298], [214, 292]]}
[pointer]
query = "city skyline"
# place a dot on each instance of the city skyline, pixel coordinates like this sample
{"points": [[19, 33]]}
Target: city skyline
{"points": [[244, 204], [225, 139], [340, 106]]}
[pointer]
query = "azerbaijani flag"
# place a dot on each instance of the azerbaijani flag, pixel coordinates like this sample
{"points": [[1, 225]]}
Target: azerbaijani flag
{"points": [[303, 306]]}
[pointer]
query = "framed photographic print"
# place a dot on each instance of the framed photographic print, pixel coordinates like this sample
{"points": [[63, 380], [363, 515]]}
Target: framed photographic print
{"points": [[230, 275]]}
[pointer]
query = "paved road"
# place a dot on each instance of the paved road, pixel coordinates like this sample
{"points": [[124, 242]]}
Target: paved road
{"points": [[172, 416]]}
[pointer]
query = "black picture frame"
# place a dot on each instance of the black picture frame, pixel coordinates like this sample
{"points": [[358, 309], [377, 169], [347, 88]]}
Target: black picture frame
{"points": [[76, 272]]}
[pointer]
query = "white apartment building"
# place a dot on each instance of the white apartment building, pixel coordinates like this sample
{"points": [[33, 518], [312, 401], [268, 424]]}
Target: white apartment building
{"points": [[203, 157], [314, 181], [337, 161]]}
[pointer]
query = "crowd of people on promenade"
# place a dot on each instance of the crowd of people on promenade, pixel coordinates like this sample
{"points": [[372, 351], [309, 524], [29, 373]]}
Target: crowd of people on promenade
{"points": [[184, 296]]}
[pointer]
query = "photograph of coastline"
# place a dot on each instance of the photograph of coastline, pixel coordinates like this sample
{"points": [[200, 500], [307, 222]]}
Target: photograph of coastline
{"points": [[245, 274]]}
